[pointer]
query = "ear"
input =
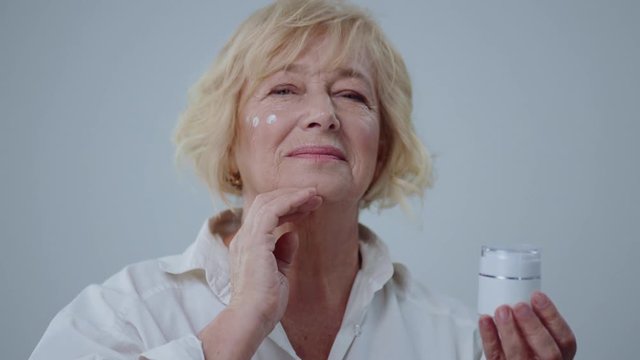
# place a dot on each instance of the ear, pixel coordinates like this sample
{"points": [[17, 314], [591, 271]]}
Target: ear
{"points": [[232, 173], [231, 163]]}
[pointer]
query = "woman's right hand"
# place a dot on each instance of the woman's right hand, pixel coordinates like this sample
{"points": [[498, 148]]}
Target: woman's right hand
{"points": [[259, 262]]}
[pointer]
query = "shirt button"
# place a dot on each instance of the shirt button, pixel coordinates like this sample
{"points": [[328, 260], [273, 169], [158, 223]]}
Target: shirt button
{"points": [[356, 330]]}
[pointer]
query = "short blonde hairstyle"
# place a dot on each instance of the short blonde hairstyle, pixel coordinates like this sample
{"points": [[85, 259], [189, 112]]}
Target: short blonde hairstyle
{"points": [[274, 37]]}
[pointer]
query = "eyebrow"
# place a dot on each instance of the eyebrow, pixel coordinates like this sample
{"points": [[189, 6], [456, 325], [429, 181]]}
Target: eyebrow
{"points": [[341, 72]]}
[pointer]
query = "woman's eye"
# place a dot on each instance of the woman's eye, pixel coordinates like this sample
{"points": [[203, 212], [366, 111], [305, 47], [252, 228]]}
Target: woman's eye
{"points": [[354, 96], [281, 91]]}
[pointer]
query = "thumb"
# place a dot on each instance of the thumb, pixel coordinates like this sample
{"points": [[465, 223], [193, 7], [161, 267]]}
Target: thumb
{"points": [[285, 250]]}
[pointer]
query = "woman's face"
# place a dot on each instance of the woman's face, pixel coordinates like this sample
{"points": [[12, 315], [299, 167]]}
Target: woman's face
{"points": [[310, 127]]}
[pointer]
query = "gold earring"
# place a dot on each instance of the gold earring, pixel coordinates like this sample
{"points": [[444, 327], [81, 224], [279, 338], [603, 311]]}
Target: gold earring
{"points": [[235, 180]]}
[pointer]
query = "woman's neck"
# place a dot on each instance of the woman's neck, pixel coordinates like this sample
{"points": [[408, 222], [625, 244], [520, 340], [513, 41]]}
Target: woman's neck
{"points": [[327, 259], [321, 276], [320, 279]]}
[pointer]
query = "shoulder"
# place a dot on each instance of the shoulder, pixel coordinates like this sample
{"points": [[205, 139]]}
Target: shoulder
{"points": [[159, 285], [125, 292], [138, 308], [143, 305]]}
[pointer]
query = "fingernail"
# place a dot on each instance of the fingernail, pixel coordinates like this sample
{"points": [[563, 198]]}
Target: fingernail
{"points": [[485, 321], [523, 310], [540, 300], [502, 314]]}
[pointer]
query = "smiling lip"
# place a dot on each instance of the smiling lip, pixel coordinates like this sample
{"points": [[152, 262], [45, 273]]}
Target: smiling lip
{"points": [[318, 152]]}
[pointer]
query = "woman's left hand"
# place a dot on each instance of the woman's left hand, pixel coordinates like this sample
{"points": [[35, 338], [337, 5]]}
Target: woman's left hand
{"points": [[527, 332]]}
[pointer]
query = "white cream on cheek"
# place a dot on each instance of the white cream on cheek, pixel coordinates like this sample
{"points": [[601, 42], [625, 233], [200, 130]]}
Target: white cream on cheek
{"points": [[255, 121]]}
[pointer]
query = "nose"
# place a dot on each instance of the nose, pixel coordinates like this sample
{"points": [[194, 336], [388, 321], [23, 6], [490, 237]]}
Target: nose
{"points": [[321, 114]]}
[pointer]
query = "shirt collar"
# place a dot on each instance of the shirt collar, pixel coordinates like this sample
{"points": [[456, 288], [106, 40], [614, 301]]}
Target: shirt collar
{"points": [[210, 255]]}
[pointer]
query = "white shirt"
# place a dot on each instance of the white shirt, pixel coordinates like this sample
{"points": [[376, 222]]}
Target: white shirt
{"points": [[154, 309]]}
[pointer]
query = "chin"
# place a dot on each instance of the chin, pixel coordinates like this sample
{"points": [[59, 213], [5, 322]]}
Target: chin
{"points": [[332, 188]]}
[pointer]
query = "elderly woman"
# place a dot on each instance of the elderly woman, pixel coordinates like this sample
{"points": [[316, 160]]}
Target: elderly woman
{"points": [[305, 115]]}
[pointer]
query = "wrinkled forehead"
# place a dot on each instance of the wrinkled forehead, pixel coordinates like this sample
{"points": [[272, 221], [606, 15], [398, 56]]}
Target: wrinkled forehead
{"points": [[331, 51]]}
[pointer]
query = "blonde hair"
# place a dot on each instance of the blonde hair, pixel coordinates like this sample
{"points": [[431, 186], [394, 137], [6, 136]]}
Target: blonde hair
{"points": [[274, 37]]}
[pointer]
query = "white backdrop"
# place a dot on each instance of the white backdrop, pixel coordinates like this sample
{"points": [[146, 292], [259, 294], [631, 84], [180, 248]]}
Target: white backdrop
{"points": [[529, 106]]}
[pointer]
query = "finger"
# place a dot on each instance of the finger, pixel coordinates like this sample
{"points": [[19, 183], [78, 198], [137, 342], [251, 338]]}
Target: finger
{"points": [[261, 200], [535, 334], [555, 324], [301, 211], [266, 197], [490, 339], [513, 344], [267, 217], [291, 218], [285, 250], [258, 228]]}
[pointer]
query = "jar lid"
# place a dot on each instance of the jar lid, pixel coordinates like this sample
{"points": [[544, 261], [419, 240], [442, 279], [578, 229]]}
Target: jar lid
{"points": [[517, 262]]}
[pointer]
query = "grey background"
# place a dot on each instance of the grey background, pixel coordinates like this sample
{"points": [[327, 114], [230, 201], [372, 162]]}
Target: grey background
{"points": [[529, 106]]}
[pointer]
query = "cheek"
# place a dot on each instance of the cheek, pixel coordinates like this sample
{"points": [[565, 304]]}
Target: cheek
{"points": [[364, 124], [264, 130], [359, 113], [370, 142], [368, 136], [364, 138], [255, 123], [272, 119], [371, 124]]}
